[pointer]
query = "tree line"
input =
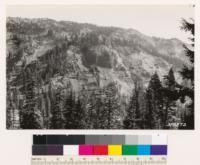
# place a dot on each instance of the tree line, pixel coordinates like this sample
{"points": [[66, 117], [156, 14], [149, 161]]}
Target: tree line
{"points": [[156, 107]]}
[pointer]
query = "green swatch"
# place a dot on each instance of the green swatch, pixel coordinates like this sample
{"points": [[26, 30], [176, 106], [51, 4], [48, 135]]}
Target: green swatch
{"points": [[129, 150]]}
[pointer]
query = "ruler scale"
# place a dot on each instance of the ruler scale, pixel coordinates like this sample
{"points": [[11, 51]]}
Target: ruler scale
{"points": [[64, 160]]}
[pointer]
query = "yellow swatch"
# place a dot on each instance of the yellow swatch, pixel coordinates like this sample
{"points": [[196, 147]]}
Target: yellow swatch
{"points": [[114, 149]]}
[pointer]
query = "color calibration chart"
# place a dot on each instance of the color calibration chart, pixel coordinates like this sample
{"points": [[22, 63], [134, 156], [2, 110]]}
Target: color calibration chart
{"points": [[99, 149]]}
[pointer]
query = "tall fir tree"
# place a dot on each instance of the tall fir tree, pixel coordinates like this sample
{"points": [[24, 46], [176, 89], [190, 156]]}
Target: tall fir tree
{"points": [[150, 116], [30, 115], [90, 111], [99, 121], [77, 115], [94, 111], [68, 109], [188, 74], [57, 118], [73, 112], [133, 116], [9, 109], [112, 108], [169, 99], [154, 103]]}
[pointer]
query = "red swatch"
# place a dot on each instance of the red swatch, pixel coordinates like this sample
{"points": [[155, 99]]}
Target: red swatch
{"points": [[100, 150]]}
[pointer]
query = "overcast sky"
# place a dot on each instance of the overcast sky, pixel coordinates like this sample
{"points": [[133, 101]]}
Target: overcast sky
{"points": [[154, 20]]}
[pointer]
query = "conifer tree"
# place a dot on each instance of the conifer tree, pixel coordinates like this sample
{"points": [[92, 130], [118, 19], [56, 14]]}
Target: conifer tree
{"points": [[77, 115], [90, 111], [150, 115], [112, 108], [30, 115], [73, 112], [89, 115], [188, 74], [94, 111], [133, 116], [68, 109], [57, 118], [169, 98], [99, 121], [154, 103], [8, 110]]}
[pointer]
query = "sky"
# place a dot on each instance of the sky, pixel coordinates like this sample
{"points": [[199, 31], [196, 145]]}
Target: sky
{"points": [[153, 20]]}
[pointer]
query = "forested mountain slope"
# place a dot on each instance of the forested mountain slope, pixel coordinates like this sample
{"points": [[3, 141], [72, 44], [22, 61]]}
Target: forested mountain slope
{"points": [[70, 75]]}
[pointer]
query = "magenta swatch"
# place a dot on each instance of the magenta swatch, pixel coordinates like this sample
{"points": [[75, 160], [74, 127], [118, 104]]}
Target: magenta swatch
{"points": [[85, 150]]}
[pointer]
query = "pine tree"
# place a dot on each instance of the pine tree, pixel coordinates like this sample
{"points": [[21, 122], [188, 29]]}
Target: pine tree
{"points": [[154, 103], [188, 74], [89, 115], [73, 112], [98, 122], [112, 108], [143, 106], [150, 116], [57, 119], [68, 109], [9, 110], [77, 115], [90, 111], [30, 115], [94, 111], [49, 103], [169, 100], [133, 116]]}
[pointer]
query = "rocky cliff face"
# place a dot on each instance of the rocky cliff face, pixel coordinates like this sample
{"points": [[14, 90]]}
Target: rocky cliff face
{"points": [[87, 56]]}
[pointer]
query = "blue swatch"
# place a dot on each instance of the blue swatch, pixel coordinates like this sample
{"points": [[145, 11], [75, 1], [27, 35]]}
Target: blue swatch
{"points": [[144, 150]]}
